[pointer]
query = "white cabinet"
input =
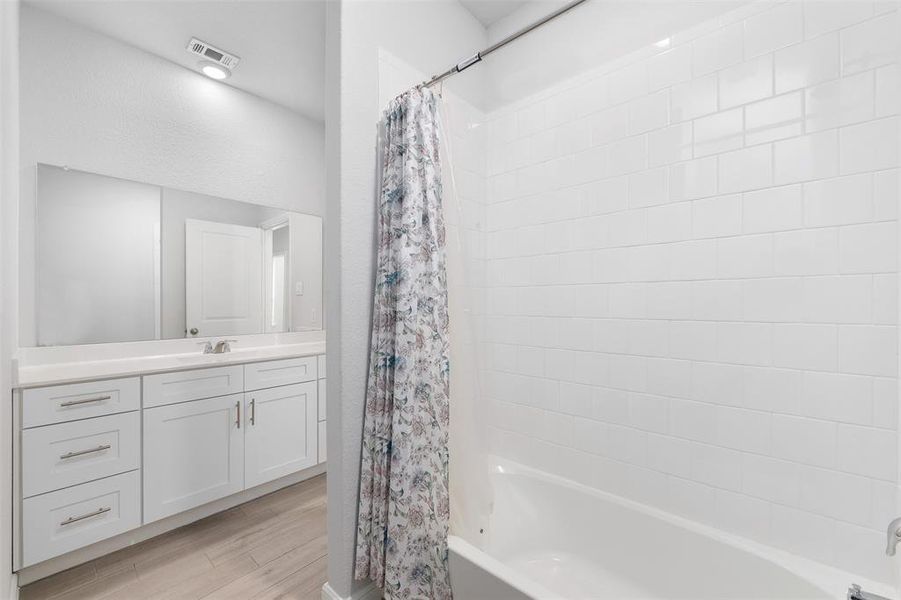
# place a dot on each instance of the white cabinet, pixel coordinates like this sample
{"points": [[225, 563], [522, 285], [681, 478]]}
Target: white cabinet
{"points": [[205, 449], [322, 400], [280, 437], [181, 386], [323, 404], [67, 454], [61, 403], [193, 454], [279, 372], [191, 437], [78, 466], [61, 521]]}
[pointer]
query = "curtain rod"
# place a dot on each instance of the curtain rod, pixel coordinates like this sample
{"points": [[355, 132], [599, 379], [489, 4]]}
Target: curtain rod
{"points": [[478, 56]]}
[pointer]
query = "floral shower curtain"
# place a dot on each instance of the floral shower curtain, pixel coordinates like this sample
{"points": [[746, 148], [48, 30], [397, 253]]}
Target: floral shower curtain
{"points": [[404, 505]]}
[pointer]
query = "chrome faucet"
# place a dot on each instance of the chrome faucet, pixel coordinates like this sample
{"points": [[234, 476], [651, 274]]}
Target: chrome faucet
{"points": [[893, 536], [856, 593], [223, 346], [207, 347]]}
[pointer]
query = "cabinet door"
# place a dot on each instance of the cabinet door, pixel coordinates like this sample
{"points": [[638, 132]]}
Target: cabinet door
{"points": [[193, 454], [281, 432]]}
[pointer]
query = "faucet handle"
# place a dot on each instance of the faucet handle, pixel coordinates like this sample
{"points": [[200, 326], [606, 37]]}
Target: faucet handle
{"points": [[893, 536], [856, 593], [207, 347], [223, 346]]}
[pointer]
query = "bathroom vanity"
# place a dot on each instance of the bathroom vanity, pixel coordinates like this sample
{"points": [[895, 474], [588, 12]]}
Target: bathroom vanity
{"points": [[120, 459], [132, 415]]}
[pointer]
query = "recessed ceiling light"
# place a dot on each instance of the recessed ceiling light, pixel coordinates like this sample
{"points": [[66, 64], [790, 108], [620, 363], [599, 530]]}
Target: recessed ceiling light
{"points": [[214, 71], [215, 63]]}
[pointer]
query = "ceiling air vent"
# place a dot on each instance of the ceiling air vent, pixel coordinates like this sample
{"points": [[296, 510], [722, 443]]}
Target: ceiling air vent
{"points": [[204, 50]]}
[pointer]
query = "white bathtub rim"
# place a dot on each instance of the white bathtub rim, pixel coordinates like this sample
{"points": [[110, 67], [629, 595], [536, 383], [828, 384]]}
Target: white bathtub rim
{"points": [[496, 568], [831, 580]]}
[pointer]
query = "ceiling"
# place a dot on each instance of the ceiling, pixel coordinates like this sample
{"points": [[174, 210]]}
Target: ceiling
{"points": [[490, 11], [272, 37]]}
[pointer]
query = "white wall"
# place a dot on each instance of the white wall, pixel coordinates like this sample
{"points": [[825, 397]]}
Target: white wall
{"points": [[306, 266], [9, 243], [98, 105], [430, 36], [692, 266]]}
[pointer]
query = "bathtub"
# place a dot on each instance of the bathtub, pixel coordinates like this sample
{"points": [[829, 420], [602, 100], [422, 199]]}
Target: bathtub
{"points": [[549, 537]]}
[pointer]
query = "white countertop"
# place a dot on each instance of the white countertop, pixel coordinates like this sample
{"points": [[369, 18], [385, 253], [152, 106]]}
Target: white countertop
{"points": [[71, 372]]}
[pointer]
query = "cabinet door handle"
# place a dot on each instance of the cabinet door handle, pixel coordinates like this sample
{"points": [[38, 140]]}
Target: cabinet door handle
{"points": [[99, 511], [253, 411], [85, 401], [238, 417], [83, 452]]}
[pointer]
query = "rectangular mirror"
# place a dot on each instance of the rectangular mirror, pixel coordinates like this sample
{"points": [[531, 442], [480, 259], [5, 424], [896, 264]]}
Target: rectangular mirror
{"points": [[121, 261]]}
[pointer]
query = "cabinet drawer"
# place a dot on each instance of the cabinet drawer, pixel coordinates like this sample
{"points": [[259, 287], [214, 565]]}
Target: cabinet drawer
{"points": [[321, 360], [181, 386], [321, 400], [61, 403], [62, 521], [67, 454], [262, 375]]}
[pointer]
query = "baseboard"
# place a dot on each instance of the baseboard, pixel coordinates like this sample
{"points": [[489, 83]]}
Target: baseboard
{"points": [[368, 592], [328, 593]]}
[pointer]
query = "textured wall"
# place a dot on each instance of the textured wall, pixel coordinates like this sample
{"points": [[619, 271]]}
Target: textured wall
{"points": [[429, 36], [692, 260], [98, 105], [9, 193]]}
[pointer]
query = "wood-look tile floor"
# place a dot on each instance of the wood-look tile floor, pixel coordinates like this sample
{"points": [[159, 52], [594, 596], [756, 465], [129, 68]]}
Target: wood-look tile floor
{"points": [[271, 548]]}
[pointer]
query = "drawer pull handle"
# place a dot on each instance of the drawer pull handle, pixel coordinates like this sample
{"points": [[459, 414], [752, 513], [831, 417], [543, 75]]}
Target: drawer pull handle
{"points": [[253, 411], [238, 416], [83, 452], [99, 511], [85, 401]]}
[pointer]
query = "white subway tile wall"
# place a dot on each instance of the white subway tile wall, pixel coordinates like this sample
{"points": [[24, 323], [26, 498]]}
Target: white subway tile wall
{"points": [[690, 291]]}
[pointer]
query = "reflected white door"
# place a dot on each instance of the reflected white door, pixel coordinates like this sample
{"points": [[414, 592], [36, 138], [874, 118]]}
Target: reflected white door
{"points": [[223, 279]]}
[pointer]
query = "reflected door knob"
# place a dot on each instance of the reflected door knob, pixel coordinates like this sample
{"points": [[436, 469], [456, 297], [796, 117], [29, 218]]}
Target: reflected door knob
{"points": [[194, 331]]}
